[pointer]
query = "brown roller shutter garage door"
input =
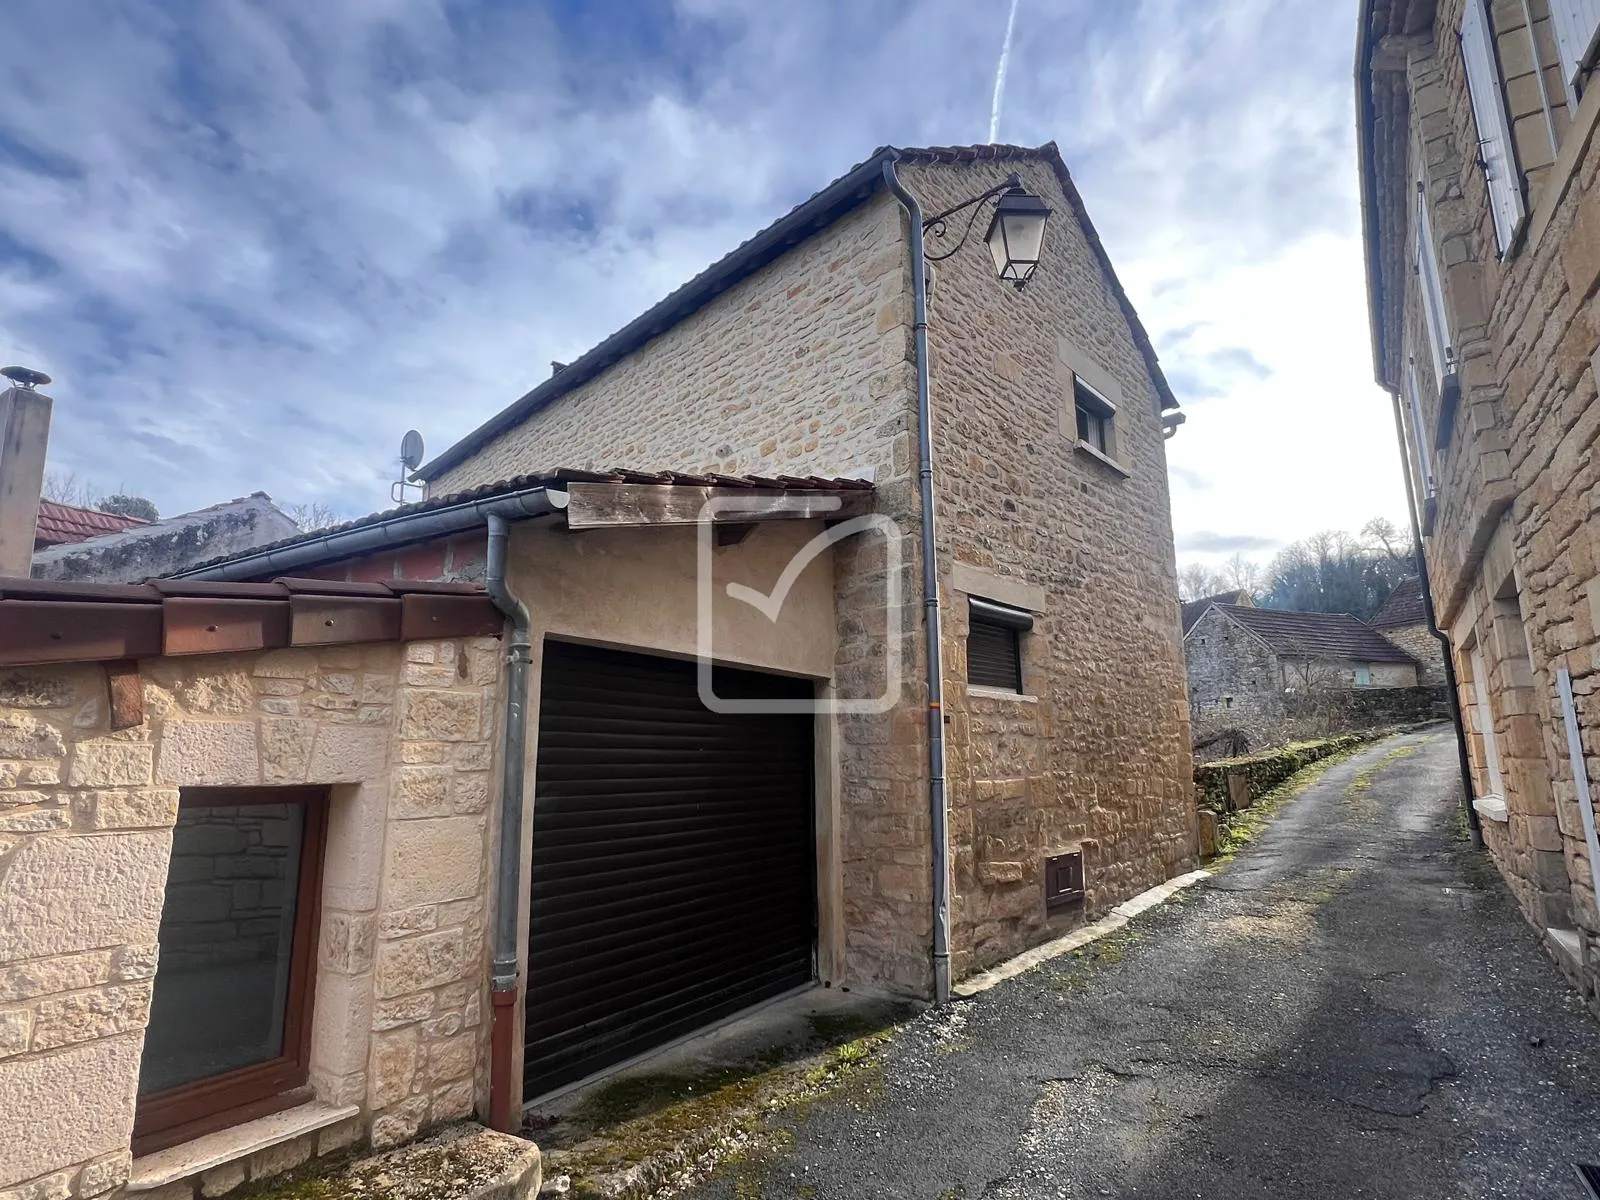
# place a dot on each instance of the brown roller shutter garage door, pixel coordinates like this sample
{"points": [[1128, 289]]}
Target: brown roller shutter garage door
{"points": [[673, 875]]}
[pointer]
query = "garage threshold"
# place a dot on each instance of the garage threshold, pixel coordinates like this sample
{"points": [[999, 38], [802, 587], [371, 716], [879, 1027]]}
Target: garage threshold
{"points": [[788, 1026]]}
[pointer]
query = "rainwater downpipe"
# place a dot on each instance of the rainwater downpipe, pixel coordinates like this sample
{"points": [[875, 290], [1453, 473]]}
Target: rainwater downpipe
{"points": [[1474, 822], [503, 1107], [938, 808]]}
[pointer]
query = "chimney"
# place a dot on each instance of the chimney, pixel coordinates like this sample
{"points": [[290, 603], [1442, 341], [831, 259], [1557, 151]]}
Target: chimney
{"points": [[24, 434]]}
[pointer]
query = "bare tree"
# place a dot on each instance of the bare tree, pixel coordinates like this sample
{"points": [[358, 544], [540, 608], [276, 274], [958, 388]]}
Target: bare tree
{"points": [[313, 516], [67, 487], [1195, 582], [1239, 574], [1383, 532]]}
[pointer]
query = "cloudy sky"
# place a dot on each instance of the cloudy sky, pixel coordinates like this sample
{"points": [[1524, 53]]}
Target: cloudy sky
{"points": [[256, 240]]}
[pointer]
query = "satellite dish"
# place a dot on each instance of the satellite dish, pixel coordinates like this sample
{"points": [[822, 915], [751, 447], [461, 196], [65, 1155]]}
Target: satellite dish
{"points": [[411, 451]]}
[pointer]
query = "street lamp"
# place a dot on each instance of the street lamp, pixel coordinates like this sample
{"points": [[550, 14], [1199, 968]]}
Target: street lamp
{"points": [[1016, 231]]}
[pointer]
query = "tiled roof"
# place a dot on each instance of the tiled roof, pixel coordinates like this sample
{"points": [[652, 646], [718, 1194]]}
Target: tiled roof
{"points": [[818, 212], [63, 523], [1403, 607], [1193, 610], [1319, 636], [558, 478]]}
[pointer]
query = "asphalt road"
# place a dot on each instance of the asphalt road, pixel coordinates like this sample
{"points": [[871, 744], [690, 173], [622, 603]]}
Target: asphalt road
{"points": [[1353, 1008]]}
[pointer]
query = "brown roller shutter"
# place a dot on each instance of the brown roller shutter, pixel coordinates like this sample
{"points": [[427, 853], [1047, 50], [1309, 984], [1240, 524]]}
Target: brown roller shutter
{"points": [[673, 876]]}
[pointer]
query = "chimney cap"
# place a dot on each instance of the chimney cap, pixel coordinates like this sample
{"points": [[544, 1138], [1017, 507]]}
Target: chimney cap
{"points": [[25, 377]]}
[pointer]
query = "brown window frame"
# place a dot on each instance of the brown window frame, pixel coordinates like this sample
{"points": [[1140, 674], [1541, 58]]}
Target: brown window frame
{"points": [[179, 1114]]}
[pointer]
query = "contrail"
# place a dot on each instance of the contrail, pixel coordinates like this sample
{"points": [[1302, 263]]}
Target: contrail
{"points": [[1000, 75]]}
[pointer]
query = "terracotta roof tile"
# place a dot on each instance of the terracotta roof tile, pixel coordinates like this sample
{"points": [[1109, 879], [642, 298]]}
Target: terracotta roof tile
{"points": [[1319, 636], [1403, 607], [60, 524]]}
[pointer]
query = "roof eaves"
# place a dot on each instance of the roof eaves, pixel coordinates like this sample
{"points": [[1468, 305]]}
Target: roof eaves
{"points": [[821, 210]]}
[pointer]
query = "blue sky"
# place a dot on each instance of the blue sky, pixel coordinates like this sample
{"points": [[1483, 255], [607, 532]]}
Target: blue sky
{"points": [[256, 241]]}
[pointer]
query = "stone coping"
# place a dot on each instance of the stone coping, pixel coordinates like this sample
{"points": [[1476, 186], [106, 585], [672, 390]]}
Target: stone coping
{"points": [[229, 1145], [1113, 921]]}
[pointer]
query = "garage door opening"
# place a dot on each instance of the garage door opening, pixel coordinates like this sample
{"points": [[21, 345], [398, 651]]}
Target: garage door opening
{"points": [[674, 879]]}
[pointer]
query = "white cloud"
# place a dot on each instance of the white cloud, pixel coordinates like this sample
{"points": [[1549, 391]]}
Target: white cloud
{"points": [[256, 247]]}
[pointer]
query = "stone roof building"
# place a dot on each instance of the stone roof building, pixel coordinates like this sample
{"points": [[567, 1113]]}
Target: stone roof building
{"points": [[1251, 668], [713, 760], [128, 549], [1478, 158], [1403, 619], [1192, 610]]}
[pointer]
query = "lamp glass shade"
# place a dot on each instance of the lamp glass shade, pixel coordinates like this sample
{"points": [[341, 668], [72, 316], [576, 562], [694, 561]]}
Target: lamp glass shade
{"points": [[1016, 235]]}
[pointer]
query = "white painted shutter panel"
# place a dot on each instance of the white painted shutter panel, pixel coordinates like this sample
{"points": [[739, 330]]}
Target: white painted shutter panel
{"points": [[1418, 436], [1494, 131], [1576, 23], [1433, 310]]}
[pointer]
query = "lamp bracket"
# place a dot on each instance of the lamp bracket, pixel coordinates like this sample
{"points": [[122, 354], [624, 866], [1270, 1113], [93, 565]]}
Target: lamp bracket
{"points": [[938, 223]]}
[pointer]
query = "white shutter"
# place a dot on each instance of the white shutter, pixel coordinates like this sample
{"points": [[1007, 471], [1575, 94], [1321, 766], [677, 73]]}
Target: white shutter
{"points": [[1433, 310], [1418, 436], [1494, 131], [1576, 23]]}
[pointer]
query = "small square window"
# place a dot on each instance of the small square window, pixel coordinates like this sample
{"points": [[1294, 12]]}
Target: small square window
{"points": [[1096, 418], [1063, 881], [994, 644]]}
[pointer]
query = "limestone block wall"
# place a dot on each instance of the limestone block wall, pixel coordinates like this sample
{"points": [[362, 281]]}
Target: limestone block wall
{"points": [[1101, 755], [1519, 483], [1419, 642], [403, 737], [785, 373]]}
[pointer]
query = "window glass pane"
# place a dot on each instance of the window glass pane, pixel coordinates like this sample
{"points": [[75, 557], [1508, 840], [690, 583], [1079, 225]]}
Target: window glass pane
{"points": [[227, 937], [1085, 424]]}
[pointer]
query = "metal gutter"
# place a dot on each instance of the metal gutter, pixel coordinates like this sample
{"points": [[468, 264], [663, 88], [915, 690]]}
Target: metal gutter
{"points": [[403, 529], [1365, 123], [504, 1109], [938, 805]]}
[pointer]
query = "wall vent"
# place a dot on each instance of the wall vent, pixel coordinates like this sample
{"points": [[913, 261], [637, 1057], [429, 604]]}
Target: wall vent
{"points": [[1063, 881]]}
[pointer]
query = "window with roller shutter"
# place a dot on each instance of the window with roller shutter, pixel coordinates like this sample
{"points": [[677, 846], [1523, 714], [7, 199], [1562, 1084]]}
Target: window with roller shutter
{"points": [[1577, 26], [1496, 155]]}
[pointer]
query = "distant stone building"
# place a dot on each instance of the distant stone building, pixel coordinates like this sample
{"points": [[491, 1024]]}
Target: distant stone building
{"points": [[1192, 610], [1260, 670], [63, 524], [1403, 619], [116, 549]]}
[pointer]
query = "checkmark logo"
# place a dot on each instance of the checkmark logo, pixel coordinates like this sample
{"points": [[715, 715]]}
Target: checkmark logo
{"points": [[770, 604]]}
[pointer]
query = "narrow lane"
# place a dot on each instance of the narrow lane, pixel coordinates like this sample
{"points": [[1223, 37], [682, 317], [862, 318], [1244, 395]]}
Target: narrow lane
{"points": [[1354, 1008]]}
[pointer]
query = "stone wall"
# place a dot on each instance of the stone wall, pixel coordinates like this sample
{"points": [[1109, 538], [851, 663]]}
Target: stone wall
{"points": [[403, 738], [1098, 757], [1235, 682], [1419, 642], [1515, 552]]}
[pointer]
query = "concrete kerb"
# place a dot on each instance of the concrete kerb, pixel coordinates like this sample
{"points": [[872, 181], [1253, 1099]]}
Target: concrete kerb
{"points": [[1110, 923]]}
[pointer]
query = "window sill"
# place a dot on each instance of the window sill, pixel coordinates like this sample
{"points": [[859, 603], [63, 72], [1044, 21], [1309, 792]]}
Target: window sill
{"points": [[229, 1145], [994, 693], [1492, 808], [1104, 459]]}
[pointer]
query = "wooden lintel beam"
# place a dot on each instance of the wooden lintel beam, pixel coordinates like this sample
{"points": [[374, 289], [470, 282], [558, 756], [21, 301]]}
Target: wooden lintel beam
{"points": [[125, 690], [200, 625], [424, 616], [623, 505]]}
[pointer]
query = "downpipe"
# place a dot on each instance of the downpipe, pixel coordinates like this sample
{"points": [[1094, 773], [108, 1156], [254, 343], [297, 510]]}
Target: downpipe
{"points": [[1474, 822], [503, 1105], [938, 805]]}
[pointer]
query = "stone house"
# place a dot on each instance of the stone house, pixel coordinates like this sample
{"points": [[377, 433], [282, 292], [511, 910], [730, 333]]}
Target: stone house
{"points": [[1403, 619], [1191, 611], [695, 772], [1257, 669], [1482, 225], [127, 549]]}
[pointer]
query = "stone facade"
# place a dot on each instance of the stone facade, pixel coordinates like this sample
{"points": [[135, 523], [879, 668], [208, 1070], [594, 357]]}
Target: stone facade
{"points": [[1514, 545], [805, 368], [402, 735], [1235, 682]]}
